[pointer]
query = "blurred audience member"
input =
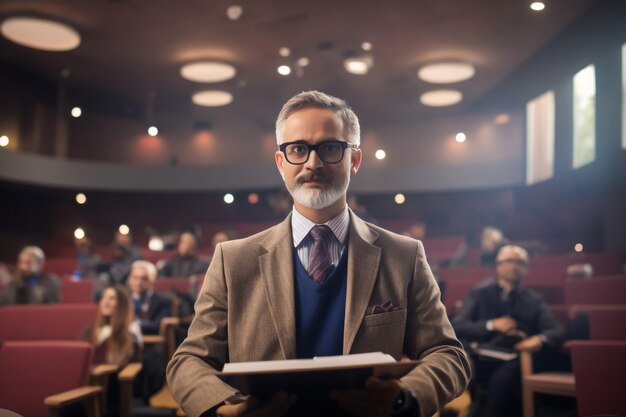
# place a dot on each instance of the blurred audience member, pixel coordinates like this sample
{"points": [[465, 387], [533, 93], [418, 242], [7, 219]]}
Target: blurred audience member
{"points": [[582, 270], [502, 314], [149, 307], [115, 333], [87, 261], [491, 241], [30, 285], [416, 231], [186, 261], [132, 251]]}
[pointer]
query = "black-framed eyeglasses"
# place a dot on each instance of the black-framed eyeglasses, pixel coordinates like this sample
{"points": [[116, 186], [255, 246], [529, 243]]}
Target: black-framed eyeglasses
{"points": [[330, 151]]}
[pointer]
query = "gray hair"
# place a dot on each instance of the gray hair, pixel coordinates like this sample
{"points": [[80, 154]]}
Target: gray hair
{"points": [[508, 249], [317, 99], [148, 266], [36, 252]]}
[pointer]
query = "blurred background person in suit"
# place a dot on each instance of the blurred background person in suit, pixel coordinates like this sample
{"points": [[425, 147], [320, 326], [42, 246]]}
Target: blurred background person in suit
{"points": [[30, 285]]}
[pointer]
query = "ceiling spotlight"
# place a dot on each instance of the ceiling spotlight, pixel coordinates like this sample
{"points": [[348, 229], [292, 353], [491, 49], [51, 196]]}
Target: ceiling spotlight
{"points": [[208, 72], [253, 198], [460, 137], [229, 198], [366, 46], [399, 198], [446, 72], [234, 12], [502, 119], [380, 154], [440, 98], [4, 140], [156, 244], [212, 98], [43, 34], [79, 233], [284, 52], [123, 229], [284, 70], [153, 131], [359, 65], [303, 62], [537, 6], [81, 198], [578, 247], [76, 112]]}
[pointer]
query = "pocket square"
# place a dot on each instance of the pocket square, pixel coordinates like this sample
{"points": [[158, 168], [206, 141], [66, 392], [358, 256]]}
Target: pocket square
{"points": [[382, 308]]}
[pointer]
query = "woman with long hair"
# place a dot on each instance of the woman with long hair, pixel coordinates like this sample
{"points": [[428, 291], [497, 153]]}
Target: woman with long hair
{"points": [[115, 333]]}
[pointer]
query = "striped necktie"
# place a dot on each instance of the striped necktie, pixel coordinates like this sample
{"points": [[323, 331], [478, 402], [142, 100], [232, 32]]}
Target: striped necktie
{"points": [[320, 265]]}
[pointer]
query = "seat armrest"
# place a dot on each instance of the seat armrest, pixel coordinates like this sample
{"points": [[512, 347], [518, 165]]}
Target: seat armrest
{"points": [[89, 393]]}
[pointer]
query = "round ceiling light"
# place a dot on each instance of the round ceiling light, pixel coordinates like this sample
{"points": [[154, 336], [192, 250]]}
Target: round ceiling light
{"points": [[212, 98], [43, 34], [446, 72], [359, 65], [208, 72], [440, 98]]}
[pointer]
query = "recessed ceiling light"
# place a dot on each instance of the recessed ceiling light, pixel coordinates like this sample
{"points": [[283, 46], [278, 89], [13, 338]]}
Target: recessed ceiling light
{"points": [[43, 34], [358, 65], [502, 119], [212, 98], [76, 112], [81, 198], [284, 52], [446, 72], [234, 12], [153, 131], [537, 6], [79, 233], [366, 46], [303, 62], [4, 140], [460, 137], [380, 154], [440, 98], [229, 198], [399, 198], [208, 72], [284, 70]]}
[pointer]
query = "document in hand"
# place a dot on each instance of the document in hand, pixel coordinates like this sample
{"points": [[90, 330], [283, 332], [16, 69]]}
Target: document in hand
{"points": [[320, 374], [496, 352]]}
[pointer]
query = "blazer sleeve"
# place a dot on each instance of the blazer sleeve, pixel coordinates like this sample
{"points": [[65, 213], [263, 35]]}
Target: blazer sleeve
{"points": [[191, 371], [443, 372]]}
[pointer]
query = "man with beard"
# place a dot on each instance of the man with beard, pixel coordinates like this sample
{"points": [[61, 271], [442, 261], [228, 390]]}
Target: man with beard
{"points": [[500, 313], [323, 282]]}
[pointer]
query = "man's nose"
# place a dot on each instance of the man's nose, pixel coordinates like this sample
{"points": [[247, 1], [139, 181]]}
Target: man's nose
{"points": [[314, 161]]}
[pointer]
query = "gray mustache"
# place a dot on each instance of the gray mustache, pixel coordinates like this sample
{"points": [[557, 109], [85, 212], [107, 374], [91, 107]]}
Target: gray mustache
{"points": [[317, 176]]}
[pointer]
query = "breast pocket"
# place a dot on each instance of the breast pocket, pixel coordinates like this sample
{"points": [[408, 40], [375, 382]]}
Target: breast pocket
{"points": [[382, 332]]}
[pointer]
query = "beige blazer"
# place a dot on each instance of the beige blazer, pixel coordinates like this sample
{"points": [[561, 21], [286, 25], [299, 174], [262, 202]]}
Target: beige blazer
{"points": [[245, 312]]}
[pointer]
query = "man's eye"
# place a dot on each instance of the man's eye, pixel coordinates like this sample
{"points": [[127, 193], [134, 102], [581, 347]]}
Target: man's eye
{"points": [[298, 149], [330, 148]]}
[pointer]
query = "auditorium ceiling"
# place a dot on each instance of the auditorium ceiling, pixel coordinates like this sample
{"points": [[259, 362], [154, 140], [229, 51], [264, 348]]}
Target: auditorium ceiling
{"points": [[131, 51]]}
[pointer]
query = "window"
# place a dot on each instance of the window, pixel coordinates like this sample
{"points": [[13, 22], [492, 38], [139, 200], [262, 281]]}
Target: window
{"points": [[584, 117], [540, 138], [624, 96]]}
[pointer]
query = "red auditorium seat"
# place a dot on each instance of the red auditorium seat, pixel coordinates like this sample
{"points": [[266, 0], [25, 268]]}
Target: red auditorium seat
{"points": [[35, 372], [77, 291], [597, 290], [551, 293], [46, 322], [475, 275], [455, 292], [182, 285], [604, 322], [60, 266], [599, 368]]}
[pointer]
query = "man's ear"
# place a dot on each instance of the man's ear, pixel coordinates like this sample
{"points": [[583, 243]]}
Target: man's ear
{"points": [[279, 158], [356, 158]]}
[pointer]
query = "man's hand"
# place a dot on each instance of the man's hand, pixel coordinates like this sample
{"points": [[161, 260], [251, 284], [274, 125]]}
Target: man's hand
{"points": [[251, 407], [376, 399], [531, 344], [503, 324]]}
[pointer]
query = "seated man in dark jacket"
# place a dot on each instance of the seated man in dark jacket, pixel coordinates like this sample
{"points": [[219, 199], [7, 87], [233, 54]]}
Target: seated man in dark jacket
{"points": [[186, 262], [501, 313], [29, 284], [150, 307]]}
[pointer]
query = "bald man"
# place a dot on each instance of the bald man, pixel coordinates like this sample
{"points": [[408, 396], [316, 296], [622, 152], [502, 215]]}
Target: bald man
{"points": [[503, 313]]}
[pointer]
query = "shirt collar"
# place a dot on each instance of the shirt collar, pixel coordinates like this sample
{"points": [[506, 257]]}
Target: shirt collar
{"points": [[301, 226]]}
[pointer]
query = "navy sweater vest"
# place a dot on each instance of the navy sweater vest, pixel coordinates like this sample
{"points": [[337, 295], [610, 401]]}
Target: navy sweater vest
{"points": [[320, 311]]}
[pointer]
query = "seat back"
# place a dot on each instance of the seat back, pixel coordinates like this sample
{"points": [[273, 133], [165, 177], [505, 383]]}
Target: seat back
{"points": [[172, 285], [599, 368], [599, 322], [609, 290], [33, 370], [46, 322], [455, 292], [77, 291]]}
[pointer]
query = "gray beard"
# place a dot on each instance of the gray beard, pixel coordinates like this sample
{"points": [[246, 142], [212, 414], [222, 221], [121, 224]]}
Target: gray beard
{"points": [[317, 199]]}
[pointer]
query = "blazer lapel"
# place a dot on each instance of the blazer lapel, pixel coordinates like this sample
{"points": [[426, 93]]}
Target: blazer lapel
{"points": [[363, 263], [276, 267]]}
